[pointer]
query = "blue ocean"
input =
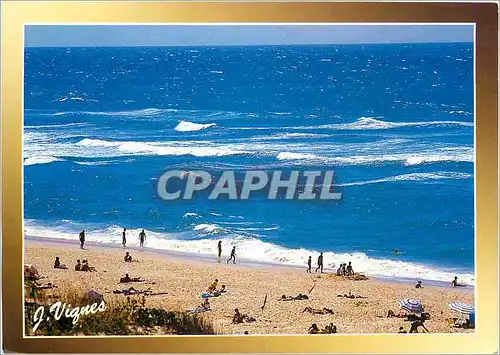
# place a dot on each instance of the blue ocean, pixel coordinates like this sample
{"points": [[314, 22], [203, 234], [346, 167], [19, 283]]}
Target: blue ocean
{"points": [[395, 122]]}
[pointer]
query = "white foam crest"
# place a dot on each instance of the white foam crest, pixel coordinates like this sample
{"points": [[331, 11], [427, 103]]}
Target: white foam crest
{"points": [[461, 154], [191, 214], [40, 160], [412, 177], [38, 144], [186, 126], [207, 228], [66, 125], [372, 123], [290, 135], [147, 112], [198, 149], [366, 123], [252, 249], [104, 162], [298, 156]]}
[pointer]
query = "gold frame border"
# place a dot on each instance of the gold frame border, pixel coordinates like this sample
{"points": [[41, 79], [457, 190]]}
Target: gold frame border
{"points": [[485, 15]]}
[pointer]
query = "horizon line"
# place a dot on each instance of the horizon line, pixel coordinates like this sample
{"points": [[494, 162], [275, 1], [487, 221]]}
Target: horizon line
{"points": [[249, 45]]}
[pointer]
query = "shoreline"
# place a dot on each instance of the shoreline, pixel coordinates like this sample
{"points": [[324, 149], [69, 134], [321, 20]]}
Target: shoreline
{"points": [[246, 263], [178, 281]]}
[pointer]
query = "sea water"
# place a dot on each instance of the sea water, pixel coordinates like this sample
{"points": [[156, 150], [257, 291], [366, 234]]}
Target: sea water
{"points": [[394, 122]]}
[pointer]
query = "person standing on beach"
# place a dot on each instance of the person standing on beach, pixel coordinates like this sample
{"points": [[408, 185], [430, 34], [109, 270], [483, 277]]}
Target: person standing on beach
{"points": [[320, 263], [219, 250], [142, 238], [233, 256], [309, 262], [124, 238], [82, 239]]}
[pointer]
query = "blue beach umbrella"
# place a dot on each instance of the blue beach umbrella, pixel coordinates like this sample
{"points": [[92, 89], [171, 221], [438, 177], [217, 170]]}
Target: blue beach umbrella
{"points": [[412, 306], [462, 308]]}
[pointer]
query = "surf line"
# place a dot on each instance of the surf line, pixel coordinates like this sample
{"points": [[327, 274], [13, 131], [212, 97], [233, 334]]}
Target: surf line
{"points": [[172, 183]]}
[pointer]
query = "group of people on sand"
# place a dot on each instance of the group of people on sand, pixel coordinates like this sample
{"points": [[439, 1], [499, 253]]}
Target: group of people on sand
{"points": [[83, 266], [142, 238], [80, 266], [212, 290], [345, 270], [329, 329], [320, 264], [231, 257]]}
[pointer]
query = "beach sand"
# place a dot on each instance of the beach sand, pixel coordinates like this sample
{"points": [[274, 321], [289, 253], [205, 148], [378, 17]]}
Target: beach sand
{"points": [[185, 278]]}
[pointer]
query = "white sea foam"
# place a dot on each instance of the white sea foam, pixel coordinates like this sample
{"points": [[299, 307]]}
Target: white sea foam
{"points": [[298, 156], [440, 175], [185, 126], [372, 123], [207, 229], [50, 126], [191, 214], [280, 136], [41, 160], [251, 249], [366, 123], [199, 149]]}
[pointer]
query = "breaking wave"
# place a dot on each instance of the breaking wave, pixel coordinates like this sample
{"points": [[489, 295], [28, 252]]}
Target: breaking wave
{"points": [[250, 248], [185, 126]]}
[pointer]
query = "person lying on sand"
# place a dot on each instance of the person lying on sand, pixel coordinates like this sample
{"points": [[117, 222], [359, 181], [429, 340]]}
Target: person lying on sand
{"points": [[49, 285], [464, 324], [313, 329], [222, 290], [58, 265], [330, 329], [130, 291], [318, 311], [128, 257], [205, 307], [414, 317], [128, 279], [350, 295], [299, 297], [401, 314]]}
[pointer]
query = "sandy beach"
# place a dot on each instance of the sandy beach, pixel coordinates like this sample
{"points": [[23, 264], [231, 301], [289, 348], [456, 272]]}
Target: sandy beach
{"points": [[185, 278]]}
